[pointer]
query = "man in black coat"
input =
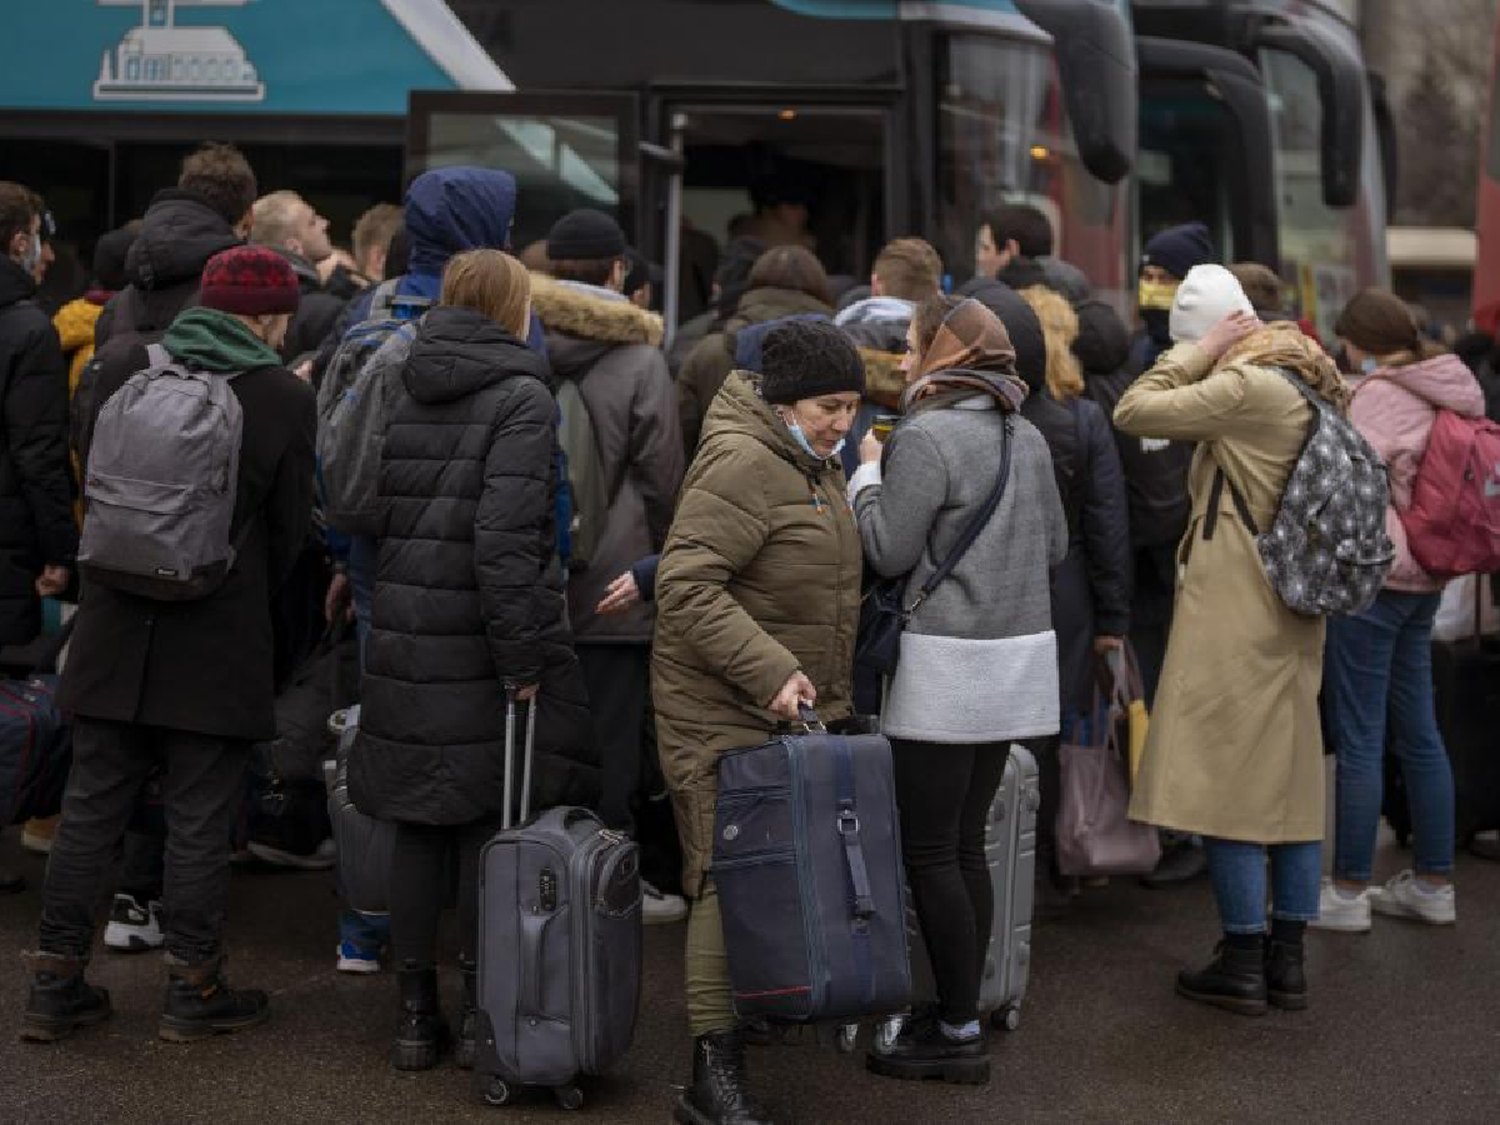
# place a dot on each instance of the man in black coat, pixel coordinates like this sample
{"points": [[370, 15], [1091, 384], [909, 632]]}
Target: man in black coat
{"points": [[183, 686], [38, 538]]}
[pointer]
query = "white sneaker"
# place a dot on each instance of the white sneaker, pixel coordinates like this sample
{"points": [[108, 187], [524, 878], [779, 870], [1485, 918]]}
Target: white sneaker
{"points": [[1403, 897], [658, 909], [1341, 913], [134, 927]]}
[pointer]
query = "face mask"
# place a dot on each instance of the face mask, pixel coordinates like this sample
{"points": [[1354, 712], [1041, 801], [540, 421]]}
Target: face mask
{"points": [[33, 254], [1368, 366], [1156, 295], [801, 439]]}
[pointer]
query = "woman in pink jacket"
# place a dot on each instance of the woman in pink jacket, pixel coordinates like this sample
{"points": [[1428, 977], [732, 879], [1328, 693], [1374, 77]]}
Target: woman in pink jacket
{"points": [[1379, 664]]}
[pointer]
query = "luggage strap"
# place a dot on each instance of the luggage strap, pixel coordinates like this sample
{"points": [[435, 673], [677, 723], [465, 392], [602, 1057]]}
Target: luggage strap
{"points": [[863, 901]]}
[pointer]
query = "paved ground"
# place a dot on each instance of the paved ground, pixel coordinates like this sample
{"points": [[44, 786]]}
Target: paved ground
{"points": [[1405, 1027]]}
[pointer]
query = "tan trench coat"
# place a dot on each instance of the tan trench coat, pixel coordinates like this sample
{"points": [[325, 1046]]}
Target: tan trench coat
{"points": [[1235, 747]]}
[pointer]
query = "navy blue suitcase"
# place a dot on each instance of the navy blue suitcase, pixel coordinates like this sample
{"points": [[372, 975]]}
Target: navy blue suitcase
{"points": [[807, 861]]}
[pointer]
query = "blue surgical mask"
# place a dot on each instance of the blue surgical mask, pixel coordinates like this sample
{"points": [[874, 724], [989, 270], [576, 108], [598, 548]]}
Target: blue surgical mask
{"points": [[801, 439], [1368, 366]]}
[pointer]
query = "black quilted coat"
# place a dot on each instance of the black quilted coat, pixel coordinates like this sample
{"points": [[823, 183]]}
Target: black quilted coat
{"points": [[468, 592]]}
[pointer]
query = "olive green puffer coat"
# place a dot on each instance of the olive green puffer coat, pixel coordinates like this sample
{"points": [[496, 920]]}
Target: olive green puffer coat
{"points": [[760, 578]]}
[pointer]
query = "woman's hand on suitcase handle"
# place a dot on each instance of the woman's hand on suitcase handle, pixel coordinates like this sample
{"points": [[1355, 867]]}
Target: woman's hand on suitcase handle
{"points": [[797, 690]]}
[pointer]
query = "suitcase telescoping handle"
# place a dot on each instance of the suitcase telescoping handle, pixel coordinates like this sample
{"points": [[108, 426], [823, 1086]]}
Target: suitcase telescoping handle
{"points": [[510, 755]]}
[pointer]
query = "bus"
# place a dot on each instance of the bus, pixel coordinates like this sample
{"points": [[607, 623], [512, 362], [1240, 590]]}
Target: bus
{"points": [[1486, 290], [1117, 118]]}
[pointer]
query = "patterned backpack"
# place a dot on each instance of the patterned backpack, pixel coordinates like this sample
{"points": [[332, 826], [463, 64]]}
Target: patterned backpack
{"points": [[1326, 552]]}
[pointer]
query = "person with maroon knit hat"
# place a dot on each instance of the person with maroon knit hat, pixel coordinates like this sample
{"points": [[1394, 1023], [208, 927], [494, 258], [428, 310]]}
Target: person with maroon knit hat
{"points": [[183, 687]]}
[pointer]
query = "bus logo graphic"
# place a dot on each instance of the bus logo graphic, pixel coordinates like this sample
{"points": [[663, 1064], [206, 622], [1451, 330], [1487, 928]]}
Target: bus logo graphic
{"points": [[160, 61]]}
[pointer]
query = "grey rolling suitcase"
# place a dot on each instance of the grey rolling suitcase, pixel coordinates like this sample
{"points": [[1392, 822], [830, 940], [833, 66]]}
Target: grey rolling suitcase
{"points": [[559, 944], [1010, 848]]}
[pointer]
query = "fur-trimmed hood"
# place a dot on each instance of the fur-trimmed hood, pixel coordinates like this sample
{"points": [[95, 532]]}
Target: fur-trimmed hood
{"points": [[572, 311]]}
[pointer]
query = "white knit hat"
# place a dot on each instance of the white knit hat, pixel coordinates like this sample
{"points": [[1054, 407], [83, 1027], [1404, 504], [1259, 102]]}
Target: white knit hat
{"points": [[1206, 296]]}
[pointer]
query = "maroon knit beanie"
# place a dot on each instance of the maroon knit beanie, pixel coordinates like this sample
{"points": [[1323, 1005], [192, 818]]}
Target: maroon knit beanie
{"points": [[250, 281]]}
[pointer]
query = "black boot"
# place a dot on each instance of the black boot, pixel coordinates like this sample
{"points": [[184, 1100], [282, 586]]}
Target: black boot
{"points": [[60, 1001], [468, 1021], [201, 1004], [1234, 980], [923, 1050], [11, 884], [421, 1032], [720, 1093], [1286, 980]]}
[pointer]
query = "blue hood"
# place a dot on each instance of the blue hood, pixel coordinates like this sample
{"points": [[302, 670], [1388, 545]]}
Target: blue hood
{"points": [[450, 210]]}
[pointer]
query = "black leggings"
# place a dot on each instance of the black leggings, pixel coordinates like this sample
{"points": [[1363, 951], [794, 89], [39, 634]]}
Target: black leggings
{"points": [[944, 793], [426, 855]]}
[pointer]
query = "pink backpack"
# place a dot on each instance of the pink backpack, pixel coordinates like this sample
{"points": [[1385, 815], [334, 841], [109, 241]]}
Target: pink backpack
{"points": [[1453, 524]]}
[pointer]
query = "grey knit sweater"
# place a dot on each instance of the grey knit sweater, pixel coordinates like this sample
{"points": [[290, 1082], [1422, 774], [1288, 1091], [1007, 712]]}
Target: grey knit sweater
{"points": [[979, 658]]}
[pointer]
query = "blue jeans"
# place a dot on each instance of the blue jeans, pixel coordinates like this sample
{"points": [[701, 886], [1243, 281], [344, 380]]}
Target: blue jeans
{"points": [[363, 551], [1378, 671], [1238, 870]]}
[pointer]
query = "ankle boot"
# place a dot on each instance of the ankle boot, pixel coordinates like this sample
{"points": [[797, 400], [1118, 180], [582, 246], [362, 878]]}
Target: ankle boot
{"points": [[60, 1000], [1286, 980], [720, 1093], [1234, 980], [421, 1031], [468, 1020], [200, 1003]]}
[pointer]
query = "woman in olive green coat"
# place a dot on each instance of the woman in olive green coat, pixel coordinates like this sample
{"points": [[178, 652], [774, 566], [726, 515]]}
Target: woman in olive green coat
{"points": [[757, 607]]}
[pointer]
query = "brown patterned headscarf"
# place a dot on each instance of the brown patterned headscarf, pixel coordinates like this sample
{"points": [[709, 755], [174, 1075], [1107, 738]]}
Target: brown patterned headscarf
{"points": [[971, 352], [1283, 344]]}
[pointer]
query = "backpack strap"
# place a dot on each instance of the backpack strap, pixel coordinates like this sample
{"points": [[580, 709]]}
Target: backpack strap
{"points": [[158, 356], [1216, 500]]}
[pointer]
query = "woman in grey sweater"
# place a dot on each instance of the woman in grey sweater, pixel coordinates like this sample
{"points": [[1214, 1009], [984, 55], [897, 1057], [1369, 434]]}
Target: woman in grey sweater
{"points": [[978, 664]]}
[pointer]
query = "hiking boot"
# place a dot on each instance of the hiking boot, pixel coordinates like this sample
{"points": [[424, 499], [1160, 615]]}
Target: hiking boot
{"points": [[1405, 897], [1180, 863], [200, 1003], [468, 1020], [134, 925], [720, 1093], [923, 1049], [1341, 912], [1286, 980], [1234, 980], [60, 1001], [421, 1031]]}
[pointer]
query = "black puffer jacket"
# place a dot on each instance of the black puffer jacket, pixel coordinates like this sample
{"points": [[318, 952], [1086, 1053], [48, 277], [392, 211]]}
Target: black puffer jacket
{"points": [[318, 312], [36, 513], [468, 591], [179, 234]]}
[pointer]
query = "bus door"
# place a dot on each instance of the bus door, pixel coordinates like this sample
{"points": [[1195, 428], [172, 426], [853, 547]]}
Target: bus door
{"points": [[813, 167], [566, 149]]}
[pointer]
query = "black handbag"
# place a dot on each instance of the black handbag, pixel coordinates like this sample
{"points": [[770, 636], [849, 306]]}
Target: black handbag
{"points": [[885, 612]]}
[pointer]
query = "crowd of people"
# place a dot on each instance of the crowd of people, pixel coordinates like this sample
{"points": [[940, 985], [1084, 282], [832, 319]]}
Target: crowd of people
{"points": [[666, 554]]}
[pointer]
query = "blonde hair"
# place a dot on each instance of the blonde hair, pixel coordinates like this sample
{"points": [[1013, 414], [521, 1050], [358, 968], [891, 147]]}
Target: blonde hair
{"points": [[493, 283], [1060, 327]]}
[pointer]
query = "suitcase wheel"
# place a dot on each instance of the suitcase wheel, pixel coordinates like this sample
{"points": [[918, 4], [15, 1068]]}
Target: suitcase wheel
{"points": [[496, 1092], [569, 1097], [1006, 1019]]}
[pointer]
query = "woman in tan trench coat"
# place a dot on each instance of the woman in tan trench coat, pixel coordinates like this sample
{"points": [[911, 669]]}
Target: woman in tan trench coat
{"points": [[1235, 750]]}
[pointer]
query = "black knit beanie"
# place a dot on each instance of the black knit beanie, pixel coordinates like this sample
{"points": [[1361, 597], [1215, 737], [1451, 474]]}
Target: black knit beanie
{"points": [[1179, 249], [109, 258], [805, 359], [585, 235]]}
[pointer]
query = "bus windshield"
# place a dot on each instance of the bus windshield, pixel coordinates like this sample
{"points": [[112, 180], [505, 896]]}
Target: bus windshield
{"points": [[1003, 137]]}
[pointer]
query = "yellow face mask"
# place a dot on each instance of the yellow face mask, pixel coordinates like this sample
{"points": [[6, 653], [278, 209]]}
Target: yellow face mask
{"points": [[1156, 294]]}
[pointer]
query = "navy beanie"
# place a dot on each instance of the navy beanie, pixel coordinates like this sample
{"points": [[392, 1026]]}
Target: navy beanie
{"points": [[585, 235], [1179, 249]]}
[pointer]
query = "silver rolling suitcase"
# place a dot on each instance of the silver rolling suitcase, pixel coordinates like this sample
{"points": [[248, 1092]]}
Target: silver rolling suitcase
{"points": [[559, 944], [1010, 848]]}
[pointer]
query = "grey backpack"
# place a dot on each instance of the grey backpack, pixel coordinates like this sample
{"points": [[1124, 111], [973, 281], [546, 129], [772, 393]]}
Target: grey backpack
{"points": [[160, 486], [1326, 552]]}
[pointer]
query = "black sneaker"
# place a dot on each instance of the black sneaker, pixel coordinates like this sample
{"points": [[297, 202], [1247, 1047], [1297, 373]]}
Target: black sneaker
{"points": [[60, 1001], [200, 1003], [923, 1050], [134, 925]]}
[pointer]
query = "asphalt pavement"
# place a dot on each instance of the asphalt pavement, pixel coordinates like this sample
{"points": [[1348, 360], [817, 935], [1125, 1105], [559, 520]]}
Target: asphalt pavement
{"points": [[1404, 1027]]}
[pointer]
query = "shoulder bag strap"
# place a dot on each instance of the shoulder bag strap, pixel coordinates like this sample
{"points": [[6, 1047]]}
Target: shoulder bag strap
{"points": [[974, 527]]}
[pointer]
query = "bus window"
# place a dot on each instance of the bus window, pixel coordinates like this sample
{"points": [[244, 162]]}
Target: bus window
{"points": [[1187, 160], [1327, 254], [1003, 136]]}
